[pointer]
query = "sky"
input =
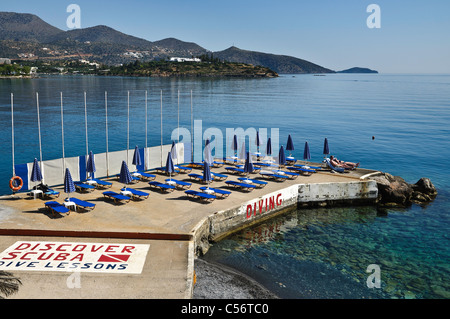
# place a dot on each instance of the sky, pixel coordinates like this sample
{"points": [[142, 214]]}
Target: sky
{"points": [[413, 36]]}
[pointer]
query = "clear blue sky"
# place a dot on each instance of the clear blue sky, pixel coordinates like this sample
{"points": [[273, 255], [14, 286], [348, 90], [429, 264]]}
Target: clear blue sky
{"points": [[413, 38]]}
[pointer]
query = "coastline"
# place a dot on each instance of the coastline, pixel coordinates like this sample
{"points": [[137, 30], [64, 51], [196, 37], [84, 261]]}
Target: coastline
{"points": [[217, 281]]}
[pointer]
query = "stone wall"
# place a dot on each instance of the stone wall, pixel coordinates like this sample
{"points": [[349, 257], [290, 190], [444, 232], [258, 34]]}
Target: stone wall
{"points": [[222, 223]]}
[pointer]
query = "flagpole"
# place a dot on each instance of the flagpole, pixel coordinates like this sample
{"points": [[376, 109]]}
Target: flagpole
{"points": [[106, 121], [145, 153], [12, 133], [39, 129], [128, 125], [161, 133], [192, 132], [62, 134], [85, 125]]}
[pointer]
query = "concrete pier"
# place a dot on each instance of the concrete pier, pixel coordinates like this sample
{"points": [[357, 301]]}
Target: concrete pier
{"points": [[147, 246]]}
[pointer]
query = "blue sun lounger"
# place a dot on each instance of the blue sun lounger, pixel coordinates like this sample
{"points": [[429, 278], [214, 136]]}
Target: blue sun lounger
{"points": [[81, 203], [217, 164], [219, 177], [198, 177], [303, 171], [162, 170], [265, 164], [200, 195], [256, 169], [257, 182], [291, 175], [334, 168], [242, 186], [183, 169], [162, 186], [276, 177], [143, 176], [178, 184], [56, 207], [118, 198], [101, 183], [135, 194], [50, 192], [82, 187], [217, 191], [236, 170]]}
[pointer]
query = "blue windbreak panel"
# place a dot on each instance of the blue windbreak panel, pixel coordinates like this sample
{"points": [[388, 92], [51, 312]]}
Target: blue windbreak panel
{"points": [[187, 152], [143, 159], [82, 165], [22, 172]]}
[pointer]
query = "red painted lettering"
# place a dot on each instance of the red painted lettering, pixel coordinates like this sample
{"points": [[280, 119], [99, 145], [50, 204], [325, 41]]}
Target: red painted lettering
{"points": [[62, 256], [23, 246], [12, 254], [47, 247], [249, 208], [128, 249], [79, 248], [279, 200], [78, 257], [110, 249], [260, 204], [271, 202], [44, 257], [95, 249], [24, 256], [60, 247]]}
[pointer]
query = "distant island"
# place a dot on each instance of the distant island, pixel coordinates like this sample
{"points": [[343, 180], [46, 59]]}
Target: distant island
{"points": [[357, 70]]}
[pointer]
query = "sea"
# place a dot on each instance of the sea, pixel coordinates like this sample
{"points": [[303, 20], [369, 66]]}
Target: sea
{"points": [[395, 123]]}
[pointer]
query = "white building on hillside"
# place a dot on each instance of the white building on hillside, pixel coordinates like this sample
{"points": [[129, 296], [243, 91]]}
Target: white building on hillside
{"points": [[175, 59]]}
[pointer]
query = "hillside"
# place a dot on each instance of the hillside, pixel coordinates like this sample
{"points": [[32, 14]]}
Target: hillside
{"points": [[25, 27], [189, 69], [278, 63], [27, 37]]}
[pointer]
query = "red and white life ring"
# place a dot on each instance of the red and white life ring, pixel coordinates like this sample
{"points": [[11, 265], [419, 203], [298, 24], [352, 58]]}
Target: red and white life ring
{"points": [[16, 183]]}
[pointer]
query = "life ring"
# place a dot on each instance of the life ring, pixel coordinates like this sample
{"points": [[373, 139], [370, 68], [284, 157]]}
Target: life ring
{"points": [[15, 183]]}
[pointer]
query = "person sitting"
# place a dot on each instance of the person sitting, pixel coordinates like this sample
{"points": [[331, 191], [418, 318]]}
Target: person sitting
{"points": [[339, 163]]}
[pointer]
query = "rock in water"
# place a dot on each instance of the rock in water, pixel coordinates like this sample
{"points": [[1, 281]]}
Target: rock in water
{"points": [[424, 191], [395, 191]]}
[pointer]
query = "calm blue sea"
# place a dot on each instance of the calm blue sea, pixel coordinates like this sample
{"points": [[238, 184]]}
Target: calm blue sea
{"points": [[310, 253]]}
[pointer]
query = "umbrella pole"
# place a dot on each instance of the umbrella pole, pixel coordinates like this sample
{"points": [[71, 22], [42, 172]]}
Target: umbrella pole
{"points": [[39, 129]]}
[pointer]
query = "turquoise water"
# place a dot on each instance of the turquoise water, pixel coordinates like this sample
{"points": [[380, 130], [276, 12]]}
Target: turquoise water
{"points": [[314, 253]]}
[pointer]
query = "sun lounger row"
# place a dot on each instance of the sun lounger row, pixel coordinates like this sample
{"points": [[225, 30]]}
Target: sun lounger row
{"points": [[56, 207], [200, 195], [216, 191], [242, 186]]}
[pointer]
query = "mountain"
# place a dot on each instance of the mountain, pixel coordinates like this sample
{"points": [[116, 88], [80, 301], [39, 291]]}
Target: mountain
{"points": [[278, 63], [26, 36], [175, 45], [100, 34], [357, 70], [25, 27]]}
